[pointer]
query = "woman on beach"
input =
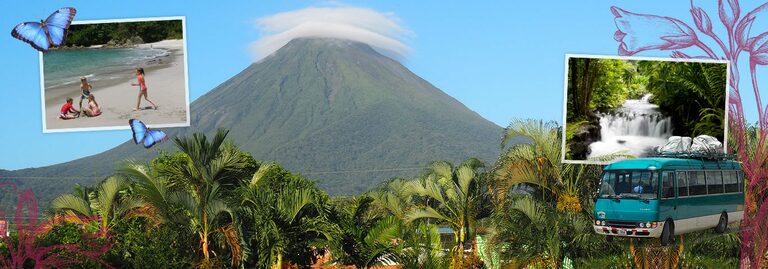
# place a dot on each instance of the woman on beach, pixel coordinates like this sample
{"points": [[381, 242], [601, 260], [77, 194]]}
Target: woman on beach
{"points": [[143, 89], [93, 108], [66, 109], [85, 90]]}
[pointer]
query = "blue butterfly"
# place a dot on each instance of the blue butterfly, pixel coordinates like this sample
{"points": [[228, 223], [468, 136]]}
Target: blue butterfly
{"points": [[144, 135], [46, 34]]}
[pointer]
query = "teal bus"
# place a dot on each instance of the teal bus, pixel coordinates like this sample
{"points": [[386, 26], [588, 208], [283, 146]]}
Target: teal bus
{"points": [[661, 197]]}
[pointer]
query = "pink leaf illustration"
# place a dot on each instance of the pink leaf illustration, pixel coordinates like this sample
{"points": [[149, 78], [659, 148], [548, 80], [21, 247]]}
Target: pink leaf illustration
{"points": [[26, 249], [701, 19], [758, 49], [728, 14], [641, 32], [744, 27]]}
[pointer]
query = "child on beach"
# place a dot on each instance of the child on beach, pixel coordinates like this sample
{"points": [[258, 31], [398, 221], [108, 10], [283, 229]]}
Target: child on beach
{"points": [[85, 90], [93, 108], [143, 88], [66, 109]]}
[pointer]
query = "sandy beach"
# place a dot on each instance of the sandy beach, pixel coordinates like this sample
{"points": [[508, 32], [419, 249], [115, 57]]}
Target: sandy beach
{"points": [[166, 86]]}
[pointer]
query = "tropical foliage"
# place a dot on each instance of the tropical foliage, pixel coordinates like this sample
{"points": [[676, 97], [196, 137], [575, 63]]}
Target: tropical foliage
{"points": [[601, 85], [284, 218], [455, 196], [101, 33], [210, 205], [369, 237], [694, 97], [107, 202], [543, 206]]}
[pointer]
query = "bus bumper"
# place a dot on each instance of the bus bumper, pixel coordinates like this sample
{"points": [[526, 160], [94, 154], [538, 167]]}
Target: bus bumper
{"points": [[630, 232]]}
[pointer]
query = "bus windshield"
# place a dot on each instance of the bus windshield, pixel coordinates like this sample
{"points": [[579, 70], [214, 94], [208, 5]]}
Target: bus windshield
{"points": [[629, 184]]}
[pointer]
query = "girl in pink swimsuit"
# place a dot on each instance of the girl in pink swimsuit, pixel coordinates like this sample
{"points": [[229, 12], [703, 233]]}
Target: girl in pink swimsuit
{"points": [[143, 89], [93, 108]]}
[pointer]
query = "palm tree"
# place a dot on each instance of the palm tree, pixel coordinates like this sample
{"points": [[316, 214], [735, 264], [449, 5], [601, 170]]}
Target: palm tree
{"points": [[422, 248], [455, 196], [394, 196], [367, 238], [552, 233], [284, 218], [538, 164], [153, 190], [551, 200], [189, 189], [420, 242], [207, 164], [106, 202]]}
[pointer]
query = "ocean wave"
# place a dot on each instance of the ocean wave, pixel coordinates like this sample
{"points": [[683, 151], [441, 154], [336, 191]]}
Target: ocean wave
{"points": [[64, 68]]}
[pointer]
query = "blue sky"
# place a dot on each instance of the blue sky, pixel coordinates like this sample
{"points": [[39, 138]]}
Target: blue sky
{"points": [[502, 60]]}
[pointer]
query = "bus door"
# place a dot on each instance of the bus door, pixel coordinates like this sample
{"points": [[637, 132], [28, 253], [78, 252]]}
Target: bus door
{"points": [[668, 205]]}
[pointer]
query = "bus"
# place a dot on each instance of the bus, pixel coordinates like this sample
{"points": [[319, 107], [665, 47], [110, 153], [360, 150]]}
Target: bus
{"points": [[661, 197]]}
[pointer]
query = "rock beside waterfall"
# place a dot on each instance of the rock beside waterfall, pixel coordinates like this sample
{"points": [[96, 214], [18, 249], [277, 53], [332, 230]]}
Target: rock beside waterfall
{"points": [[582, 138]]}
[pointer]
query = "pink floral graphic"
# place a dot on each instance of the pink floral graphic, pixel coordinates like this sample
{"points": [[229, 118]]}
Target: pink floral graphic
{"points": [[26, 250], [643, 32], [670, 33]]}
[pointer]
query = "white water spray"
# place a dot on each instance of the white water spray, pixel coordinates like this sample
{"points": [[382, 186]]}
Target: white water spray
{"points": [[636, 127]]}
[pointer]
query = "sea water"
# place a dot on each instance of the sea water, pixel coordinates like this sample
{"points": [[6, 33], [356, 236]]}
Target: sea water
{"points": [[65, 67]]}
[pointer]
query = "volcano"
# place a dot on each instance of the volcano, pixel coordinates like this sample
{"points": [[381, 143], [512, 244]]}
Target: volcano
{"points": [[336, 111]]}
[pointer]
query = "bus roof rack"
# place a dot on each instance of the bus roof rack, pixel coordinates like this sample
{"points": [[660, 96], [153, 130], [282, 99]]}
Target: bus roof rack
{"points": [[695, 155]]}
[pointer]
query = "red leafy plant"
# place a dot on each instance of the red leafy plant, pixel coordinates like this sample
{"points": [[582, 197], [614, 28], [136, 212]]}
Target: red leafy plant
{"points": [[25, 251]]}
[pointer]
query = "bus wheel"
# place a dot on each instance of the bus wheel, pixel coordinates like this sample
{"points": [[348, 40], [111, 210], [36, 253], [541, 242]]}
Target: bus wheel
{"points": [[667, 234], [722, 225]]}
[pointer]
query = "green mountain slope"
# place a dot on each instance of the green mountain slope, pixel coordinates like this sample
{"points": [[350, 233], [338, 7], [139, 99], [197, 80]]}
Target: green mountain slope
{"points": [[335, 110]]}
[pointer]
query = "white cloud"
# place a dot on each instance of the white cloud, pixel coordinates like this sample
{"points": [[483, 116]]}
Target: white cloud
{"points": [[381, 31]]}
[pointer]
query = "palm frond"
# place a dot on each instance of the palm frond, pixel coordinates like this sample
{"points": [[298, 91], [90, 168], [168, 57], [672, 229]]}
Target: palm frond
{"points": [[69, 202], [425, 212]]}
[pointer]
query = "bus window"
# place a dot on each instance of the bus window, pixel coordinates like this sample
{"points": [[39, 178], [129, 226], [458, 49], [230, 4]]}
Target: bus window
{"points": [[638, 184], [714, 182], [741, 181], [667, 185], [697, 185], [682, 184], [731, 181], [642, 183]]}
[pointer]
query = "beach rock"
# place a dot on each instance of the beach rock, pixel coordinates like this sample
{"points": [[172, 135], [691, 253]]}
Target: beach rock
{"points": [[135, 40], [124, 43]]}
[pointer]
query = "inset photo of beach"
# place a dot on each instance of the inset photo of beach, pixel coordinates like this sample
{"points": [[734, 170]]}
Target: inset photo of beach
{"points": [[630, 107], [110, 71]]}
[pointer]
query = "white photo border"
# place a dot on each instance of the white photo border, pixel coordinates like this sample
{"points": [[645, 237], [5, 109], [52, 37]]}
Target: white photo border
{"points": [[125, 126], [636, 58]]}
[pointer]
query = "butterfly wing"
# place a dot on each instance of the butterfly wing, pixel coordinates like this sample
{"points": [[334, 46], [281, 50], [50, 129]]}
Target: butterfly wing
{"points": [[139, 130], [32, 33], [154, 137], [58, 23]]}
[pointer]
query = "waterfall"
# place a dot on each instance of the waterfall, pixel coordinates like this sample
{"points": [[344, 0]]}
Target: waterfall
{"points": [[636, 127]]}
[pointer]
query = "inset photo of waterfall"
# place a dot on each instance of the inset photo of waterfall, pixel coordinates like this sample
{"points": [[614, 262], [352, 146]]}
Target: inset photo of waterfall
{"points": [[626, 107]]}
